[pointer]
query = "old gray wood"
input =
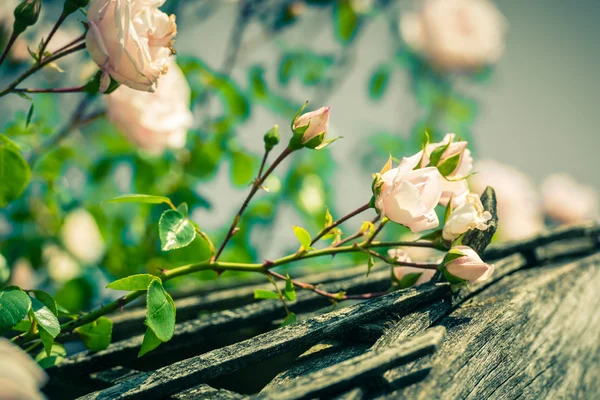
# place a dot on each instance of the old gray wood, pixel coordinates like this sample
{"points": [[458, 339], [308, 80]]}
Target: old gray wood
{"points": [[186, 373], [351, 372]]}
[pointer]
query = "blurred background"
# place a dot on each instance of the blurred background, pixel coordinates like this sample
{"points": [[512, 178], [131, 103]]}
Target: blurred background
{"points": [[251, 64]]}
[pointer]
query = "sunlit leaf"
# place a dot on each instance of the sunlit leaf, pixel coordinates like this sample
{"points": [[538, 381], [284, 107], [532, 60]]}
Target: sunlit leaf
{"points": [[175, 230], [160, 315]]}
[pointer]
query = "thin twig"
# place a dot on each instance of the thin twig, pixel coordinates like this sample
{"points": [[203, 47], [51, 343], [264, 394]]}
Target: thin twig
{"points": [[74, 89], [257, 184], [58, 23], [11, 41], [325, 230]]}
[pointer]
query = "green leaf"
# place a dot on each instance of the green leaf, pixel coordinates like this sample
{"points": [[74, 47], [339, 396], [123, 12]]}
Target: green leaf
{"points": [[346, 21], [175, 230], [31, 107], [160, 315], [14, 305], [96, 335], [133, 282], [4, 271], [47, 340], [379, 82], [242, 168], [150, 342], [453, 255], [449, 165], [289, 292], [45, 317], [409, 280], [437, 153], [370, 264], [290, 319], [8, 142], [22, 326], [265, 294], [303, 237], [140, 198], [47, 300], [432, 236], [183, 209], [14, 174], [54, 357]]}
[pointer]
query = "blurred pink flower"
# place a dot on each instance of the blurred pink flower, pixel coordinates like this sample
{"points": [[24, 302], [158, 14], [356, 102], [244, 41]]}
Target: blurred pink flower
{"points": [[519, 209], [456, 34], [568, 201], [154, 121]]}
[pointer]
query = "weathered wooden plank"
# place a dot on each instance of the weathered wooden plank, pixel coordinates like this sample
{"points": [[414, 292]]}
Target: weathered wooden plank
{"points": [[534, 335], [191, 333], [347, 374], [203, 391], [192, 371], [131, 321], [114, 375]]}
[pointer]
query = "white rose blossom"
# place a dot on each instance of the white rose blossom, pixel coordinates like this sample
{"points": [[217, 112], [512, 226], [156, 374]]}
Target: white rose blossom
{"points": [[130, 41], [154, 121], [470, 215], [455, 34], [408, 196]]}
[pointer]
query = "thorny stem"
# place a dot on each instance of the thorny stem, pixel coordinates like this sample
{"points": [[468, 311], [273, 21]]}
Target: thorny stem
{"points": [[256, 185], [378, 229], [354, 213], [401, 263], [39, 66]]}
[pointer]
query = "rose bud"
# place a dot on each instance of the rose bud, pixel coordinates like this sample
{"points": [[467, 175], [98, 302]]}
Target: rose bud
{"points": [[130, 41], [470, 215], [313, 127], [454, 161], [154, 121], [464, 263], [409, 276], [455, 34], [26, 14], [408, 196]]}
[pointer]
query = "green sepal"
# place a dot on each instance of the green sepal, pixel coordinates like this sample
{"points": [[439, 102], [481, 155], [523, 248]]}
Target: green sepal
{"points": [[326, 143], [449, 165], [437, 153], [409, 280], [297, 115], [452, 255]]}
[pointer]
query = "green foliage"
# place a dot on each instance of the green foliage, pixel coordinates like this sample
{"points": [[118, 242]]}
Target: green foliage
{"points": [[14, 172], [379, 82], [140, 198], [133, 282], [303, 237], [290, 319], [96, 335], [290, 291], [160, 315], [265, 294], [14, 306], [54, 357], [242, 168], [149, 343], [346, 22], [175, 230], [409, 280], [47, 321]]}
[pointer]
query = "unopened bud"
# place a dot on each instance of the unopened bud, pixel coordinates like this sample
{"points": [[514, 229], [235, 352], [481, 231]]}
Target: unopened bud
{"points": [[26, 14], [272, 138]]}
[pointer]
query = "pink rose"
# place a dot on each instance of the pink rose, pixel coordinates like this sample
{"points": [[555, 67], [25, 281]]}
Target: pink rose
{"points": [[408, 196], [469, 266], [456, 34], [154, 121], [317, 121], [519, 209], [400, 272], [130, 41], [568, 201]]}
